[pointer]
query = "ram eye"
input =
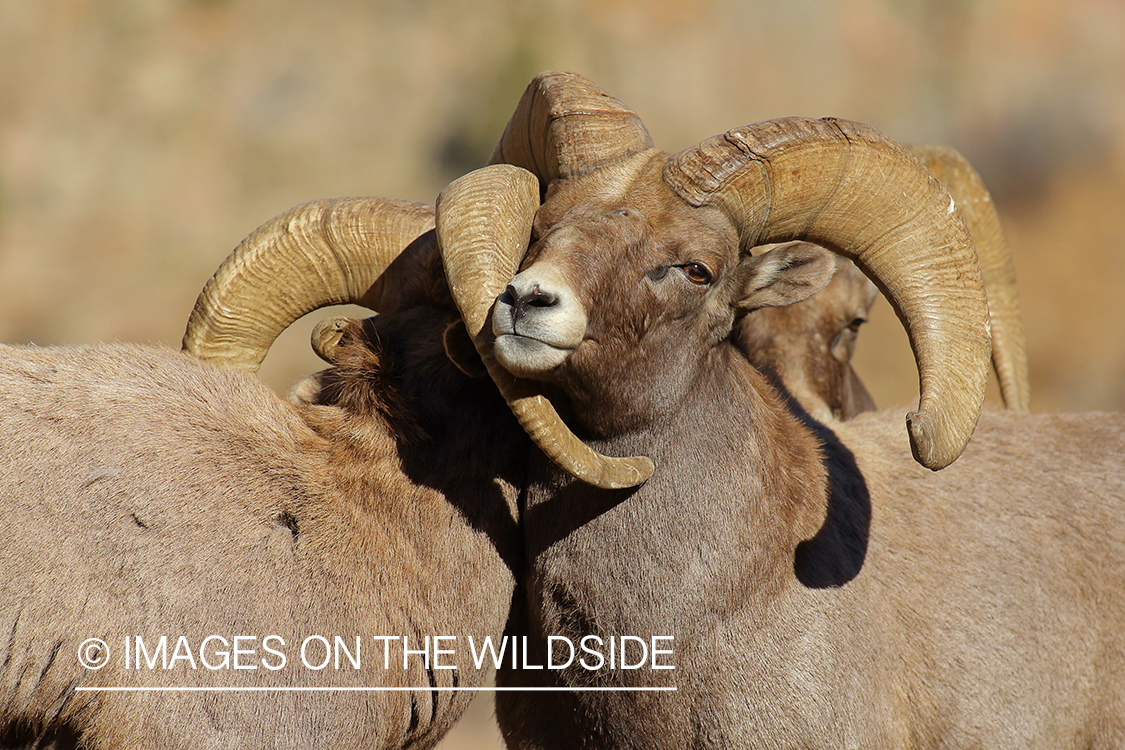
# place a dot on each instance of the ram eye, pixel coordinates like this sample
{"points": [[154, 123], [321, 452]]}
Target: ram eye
{"points": [[696, 273], [855, 324]]}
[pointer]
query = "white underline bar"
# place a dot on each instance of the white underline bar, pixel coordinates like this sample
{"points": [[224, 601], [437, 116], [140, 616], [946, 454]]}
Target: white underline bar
{"points": [[370, 689]]}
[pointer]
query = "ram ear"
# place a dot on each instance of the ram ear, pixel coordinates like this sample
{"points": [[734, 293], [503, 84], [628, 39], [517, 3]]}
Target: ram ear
{"points": [[461, 351], [784, 275]]}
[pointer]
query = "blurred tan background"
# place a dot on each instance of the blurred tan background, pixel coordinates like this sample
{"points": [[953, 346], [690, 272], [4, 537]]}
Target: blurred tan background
{"points": [[140, 140]]}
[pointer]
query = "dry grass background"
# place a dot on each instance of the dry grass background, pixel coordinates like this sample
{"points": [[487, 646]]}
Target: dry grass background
{"points": [[140, 140]]}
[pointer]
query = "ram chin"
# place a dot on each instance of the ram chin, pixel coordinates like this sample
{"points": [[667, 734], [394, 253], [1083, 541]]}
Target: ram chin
{"points": [[527, 357]]}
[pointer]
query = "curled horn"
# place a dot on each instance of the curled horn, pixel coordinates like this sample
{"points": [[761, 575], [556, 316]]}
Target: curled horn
{"points": [[565, 125], [318, 254], [1009, 350], [849, 188], [483, 227]]}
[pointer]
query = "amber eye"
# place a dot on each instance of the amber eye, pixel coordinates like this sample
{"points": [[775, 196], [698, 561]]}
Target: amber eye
{"points": [[696, 273], [855, 324]]}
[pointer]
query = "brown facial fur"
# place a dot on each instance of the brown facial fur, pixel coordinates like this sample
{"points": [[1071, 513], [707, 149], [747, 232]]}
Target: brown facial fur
{"points": [[647, 231]]}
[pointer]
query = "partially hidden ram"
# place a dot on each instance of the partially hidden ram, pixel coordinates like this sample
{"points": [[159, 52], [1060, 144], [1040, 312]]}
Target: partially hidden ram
{"points": [[217, 540], [808, 346]]}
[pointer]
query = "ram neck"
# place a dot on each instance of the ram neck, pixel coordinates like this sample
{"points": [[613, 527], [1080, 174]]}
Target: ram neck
{"points": [[739, 483]]}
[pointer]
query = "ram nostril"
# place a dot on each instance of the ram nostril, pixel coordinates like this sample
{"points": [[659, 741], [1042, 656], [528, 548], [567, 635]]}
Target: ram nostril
{"points": [[540, 298], [536, 297]]}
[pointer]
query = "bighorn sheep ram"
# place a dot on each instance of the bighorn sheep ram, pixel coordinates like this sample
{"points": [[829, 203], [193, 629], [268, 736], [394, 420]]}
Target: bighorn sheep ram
{"points": [[822, 589], [149, 494], [809, 345]]}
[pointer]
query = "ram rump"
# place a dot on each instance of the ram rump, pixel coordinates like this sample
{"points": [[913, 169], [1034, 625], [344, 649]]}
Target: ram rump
{"points": [[175, 524], [823, 588]]}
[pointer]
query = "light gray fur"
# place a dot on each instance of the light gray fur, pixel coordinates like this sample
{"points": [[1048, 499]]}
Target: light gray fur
{"points": [[145, 493]]}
